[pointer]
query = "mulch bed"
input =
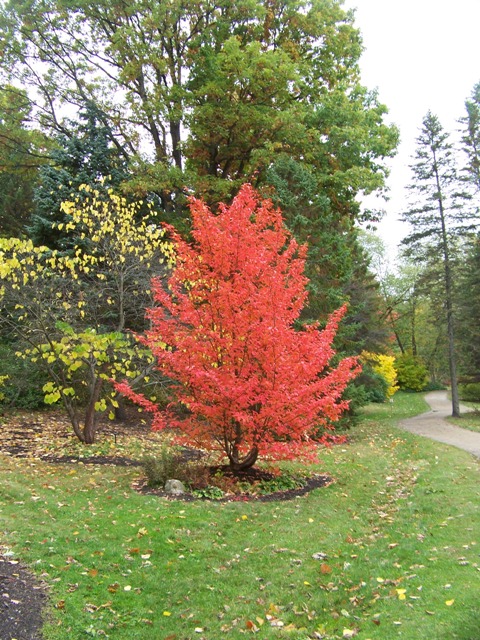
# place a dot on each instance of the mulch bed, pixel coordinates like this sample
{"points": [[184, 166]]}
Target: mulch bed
{"points": [[22, 601], [250, 475]]}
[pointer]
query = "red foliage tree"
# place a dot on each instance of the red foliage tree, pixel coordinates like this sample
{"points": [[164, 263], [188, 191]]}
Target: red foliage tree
{"points": [[248, 383]]}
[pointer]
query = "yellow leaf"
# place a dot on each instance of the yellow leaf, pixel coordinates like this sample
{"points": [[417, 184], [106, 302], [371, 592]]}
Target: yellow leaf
{"points": [[449, 602], [380, 580], [167, 613]]}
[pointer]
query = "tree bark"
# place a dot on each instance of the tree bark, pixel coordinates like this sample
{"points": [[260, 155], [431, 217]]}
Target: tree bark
{"points": [[240, 464], [90, 426], [448, 300], [120, 411]]}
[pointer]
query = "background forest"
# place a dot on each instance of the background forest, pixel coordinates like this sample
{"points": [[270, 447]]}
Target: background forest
{"points": [[125, 109]]}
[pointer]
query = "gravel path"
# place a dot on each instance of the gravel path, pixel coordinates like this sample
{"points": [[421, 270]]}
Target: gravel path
{"points": [[433, 424]]}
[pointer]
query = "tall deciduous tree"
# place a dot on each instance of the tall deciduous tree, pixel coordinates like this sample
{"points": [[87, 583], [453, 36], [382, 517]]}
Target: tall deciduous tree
{"points": [[247, 382], [437, 217], [207, 93], [21, 151]]}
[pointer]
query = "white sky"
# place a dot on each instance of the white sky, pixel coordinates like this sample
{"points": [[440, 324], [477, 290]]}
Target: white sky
{"points": [[420, 55]]}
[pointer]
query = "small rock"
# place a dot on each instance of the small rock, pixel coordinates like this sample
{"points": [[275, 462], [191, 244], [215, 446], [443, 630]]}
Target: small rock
{"points": [[174, 487]]}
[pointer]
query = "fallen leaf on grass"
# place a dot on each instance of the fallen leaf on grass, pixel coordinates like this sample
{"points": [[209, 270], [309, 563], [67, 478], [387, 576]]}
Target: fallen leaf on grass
{"points": [[251, 626], [449, 602]]}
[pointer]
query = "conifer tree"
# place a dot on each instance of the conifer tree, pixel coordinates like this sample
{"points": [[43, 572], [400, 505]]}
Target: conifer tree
{"points": [[437, 217], [84, 156], [471, 138]]}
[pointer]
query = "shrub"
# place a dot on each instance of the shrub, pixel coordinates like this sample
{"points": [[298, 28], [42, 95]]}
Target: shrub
{"points": [[22, 381], [470, 392], [383, 366], [170, 464], [412, 374], [165, 466], [375, 386]]}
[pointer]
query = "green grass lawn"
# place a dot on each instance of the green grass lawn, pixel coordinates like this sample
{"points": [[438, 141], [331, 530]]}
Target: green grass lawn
{"points": [[469, 420], [398, 530]]}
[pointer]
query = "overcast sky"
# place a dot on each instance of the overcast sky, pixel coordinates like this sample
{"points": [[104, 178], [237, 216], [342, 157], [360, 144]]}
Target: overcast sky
{"points": [[420, 55]]}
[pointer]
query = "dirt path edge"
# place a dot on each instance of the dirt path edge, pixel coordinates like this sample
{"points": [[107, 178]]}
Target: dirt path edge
{"points": [[433, 425]]}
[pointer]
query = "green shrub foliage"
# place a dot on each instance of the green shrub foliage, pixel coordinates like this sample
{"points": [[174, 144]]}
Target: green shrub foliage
{"points": [[412, 374], [470, 392]]}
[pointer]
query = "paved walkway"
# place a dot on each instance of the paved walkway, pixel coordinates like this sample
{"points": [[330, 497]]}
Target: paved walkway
{"points": [[433, 424]]}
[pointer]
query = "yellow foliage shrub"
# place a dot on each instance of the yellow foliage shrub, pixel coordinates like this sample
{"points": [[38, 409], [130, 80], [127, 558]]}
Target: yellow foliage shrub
{"points": [[384, 366]]}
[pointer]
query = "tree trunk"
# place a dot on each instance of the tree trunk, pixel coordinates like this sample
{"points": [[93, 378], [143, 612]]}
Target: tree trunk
{"points": [[240, 464], [90, 426], [448, 300], [452, 363], [120, 411]]}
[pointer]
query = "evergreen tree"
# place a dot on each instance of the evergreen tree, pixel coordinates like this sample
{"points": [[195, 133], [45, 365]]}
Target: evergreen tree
{"points": [[468, 318], [83, 156], [337, 266], [471, 138], [436, 216]]}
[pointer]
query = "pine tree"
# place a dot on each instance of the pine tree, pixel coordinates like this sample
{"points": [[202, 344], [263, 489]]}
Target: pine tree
{"points": [[471, 138], [469, 328], [436, 216]]}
